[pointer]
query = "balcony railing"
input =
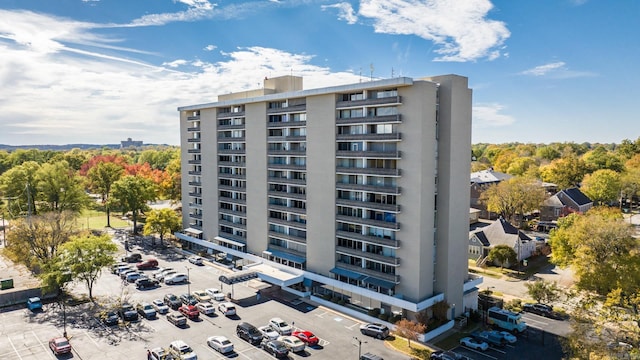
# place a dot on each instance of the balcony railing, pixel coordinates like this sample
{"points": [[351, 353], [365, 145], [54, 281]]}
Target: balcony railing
{"points": [[231, 212], [194, 151], [393, 190], [370, 119], [372, 222], [366, 102], [194, 162], [224, 115], [232, 200], [231, 176], [192, 140], [195, 194], [369, 205], [370, 154], [194, 172], [359, 269], [373, 171], [287, 167], [231, 127], [377, 257], [286, 152], [194, 128], [288, 237], [394, 136], [231, 151], [295, 224], [290, 209], [286, 124], [284, 194], [193, 118], [370, 239], [195, 216], [195, 183], [288, 109], [282, 180], [232, 224]]}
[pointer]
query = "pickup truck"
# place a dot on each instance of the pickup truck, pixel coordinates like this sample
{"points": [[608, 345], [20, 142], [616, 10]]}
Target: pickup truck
{"points": [[493, 338]]}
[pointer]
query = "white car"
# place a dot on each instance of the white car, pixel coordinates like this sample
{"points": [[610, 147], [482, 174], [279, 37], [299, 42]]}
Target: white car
{"points": [[180, 350], [165, 274], [215, 294], [474, 343], [206, 308], [160, 306], [158, 354], [201, 296], [220, 344], [280, 326], [508, 337], [160, 271], [227, 308], [293, 343], [268, 332], [177, 278], [196, 260]]}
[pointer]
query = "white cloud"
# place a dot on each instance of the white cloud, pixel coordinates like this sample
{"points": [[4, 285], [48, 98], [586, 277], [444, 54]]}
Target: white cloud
{"points": [[490, 115], [461, 29], [345, 12], [210, 47], [557, 70], [54, 93]]}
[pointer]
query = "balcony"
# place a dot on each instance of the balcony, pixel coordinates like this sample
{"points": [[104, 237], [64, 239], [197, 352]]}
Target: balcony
{"points": [[286, 152], [359, 269], [286, 124], [283, 180], [231, 139], [392, 190], [391, 100], [369, 137], [194, 172], [370, 120], [195, 205], [371, 222], [192, 140], [195, 194], [194, 151], [231, 188], [283, 222], [471, 282], [232, 163], [367, 171], [370, 239], [232, 224], [195, 216], [369, 205], [231, 212], [283, 194], [194, 162], [195, 183], [231, 176], [193, 118], [369, 154], [224, 115], [290, 209], [232, 200], [287, 167], [288, 109], [231, 151], [233, 237], [287, 237], [195, 128], [394, 261], [230, 127]]}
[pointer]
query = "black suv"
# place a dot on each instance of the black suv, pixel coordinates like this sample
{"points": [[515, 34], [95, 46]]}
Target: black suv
{"points": [[146, 283], [128, 313], [249, 333], [540, 309], [131, 258], [172, 301]]}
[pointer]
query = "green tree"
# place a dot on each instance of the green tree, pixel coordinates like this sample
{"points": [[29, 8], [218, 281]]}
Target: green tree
{"points": [[409, 330], [627, 149], [516, 196], [161, 222], [549, 153], [599, 159], [630, 185], [60, 189], [519, 166], [18, 185], [565, 172], [602, 186], [101, 179], [131, 193], [542, 291], [85, 256], [502, 255]]}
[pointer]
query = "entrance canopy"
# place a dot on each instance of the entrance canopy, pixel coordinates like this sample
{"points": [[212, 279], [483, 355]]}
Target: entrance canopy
{"points": [[237, 277]]}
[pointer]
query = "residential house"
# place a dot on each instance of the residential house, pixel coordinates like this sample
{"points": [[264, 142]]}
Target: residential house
{"points": [[480, 181], [564, 203], [500, 232]]}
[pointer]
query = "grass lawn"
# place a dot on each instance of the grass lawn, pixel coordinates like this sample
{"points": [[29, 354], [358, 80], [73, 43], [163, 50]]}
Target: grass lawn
{"points": [[94, 219], [401, 344]]}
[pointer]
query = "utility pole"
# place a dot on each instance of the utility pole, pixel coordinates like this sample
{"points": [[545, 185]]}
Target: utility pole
{"points": [[359, 346]]}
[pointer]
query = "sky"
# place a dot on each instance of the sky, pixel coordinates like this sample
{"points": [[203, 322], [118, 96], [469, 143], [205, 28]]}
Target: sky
{"points": [[102, 71]]}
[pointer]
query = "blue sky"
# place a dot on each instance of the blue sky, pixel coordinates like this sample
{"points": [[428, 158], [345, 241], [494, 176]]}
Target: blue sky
{"points": [[100, 71]]}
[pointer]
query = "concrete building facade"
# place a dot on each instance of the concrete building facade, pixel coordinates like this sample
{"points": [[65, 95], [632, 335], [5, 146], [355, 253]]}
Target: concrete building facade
{"points": [[360, 191]]}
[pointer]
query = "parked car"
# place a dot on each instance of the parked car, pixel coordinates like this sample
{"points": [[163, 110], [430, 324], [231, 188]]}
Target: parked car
{"points": [[307, 337], [128, 313], [146, 310], [370, 356], [376, 330], [132, 258], [133, 276], [508, 337], [172, 301], [159, 354], [196, 260], [34, 303], [275, 348], [215, 294], [268, 332], [60, 345], [163, 275], [281, 326], [116, 266], [123, 274], [474, 343], [293, 343], [159, 271], [147, 264], [493, 338], [220, 344], [188, 299], [110, 318], [122, 269], [177, 278], [206, 308], [146, 283], [539, 309], [201, 296], [446, 355], [180, 350], [189, 311], [177, 319], [249, 333], [160, 306], [227, 308]]}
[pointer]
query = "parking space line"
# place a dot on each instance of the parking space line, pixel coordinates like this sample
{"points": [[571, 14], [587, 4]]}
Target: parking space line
{"points": [[480, 353], [220, 356], [14, 348], [350, 327], [46, 349], [529, 319], [321, 315]]}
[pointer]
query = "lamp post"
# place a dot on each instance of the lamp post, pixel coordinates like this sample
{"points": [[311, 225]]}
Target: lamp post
{"points": [[359, 346], [188, 280]]}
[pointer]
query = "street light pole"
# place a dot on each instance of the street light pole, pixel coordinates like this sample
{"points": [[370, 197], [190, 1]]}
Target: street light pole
{"points": [[188, 281], [359, 346]]}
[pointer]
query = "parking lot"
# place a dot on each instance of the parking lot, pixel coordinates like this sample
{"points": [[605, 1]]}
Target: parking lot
{"points": [[25, 335]]}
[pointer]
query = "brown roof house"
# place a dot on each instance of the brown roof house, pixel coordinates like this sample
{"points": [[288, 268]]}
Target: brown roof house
{"points": [[500, 232], [564, 203], [480, 181]]}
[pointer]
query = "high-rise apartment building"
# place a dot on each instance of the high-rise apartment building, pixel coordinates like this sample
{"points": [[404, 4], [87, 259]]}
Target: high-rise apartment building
{"points": [[359, 192]]}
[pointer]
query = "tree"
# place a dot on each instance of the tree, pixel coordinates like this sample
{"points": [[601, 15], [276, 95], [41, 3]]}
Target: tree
{"points": [[161, 222], [85, 256], [602, 186], [502, 254], [131, 193], [35, 241], [542, 291], [565, 172], [629, 186], [512, 197], [101, 179], [599, 159], [599, 246], [409, 330], [60, 189], [19, 185]]}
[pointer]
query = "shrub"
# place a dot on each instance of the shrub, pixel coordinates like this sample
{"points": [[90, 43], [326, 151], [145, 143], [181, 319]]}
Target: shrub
{"points": [[373, 312]]}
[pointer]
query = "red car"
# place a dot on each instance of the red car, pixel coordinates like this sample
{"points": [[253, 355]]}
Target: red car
{"points": [[307, 337], [147, 264], [60, 346], [189, 311]]}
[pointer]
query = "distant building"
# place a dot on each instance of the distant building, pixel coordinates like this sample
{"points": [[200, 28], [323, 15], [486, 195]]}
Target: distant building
{"points": [[130, 143], [501, 232], [480, 181]]}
